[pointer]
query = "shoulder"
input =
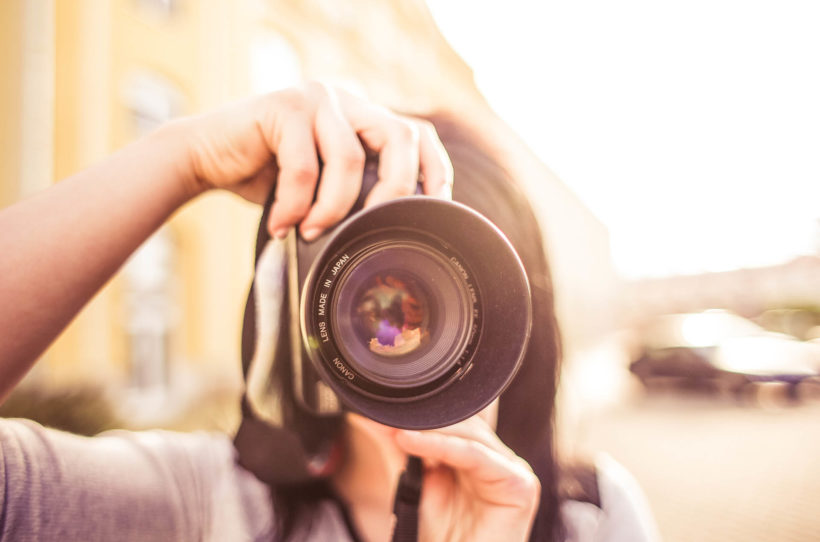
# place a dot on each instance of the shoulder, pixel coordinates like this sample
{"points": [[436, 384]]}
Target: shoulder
{"points": [[621, 512]]}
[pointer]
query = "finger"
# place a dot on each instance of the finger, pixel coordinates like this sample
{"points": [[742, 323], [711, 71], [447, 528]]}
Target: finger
{"points": [[343, 164], [295, 150], [469, 456], [257, 188], [397, 142], [434, 163], [479, 430]]}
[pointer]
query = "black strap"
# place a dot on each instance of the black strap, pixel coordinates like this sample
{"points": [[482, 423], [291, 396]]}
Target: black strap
{"points": [[406, 502]]}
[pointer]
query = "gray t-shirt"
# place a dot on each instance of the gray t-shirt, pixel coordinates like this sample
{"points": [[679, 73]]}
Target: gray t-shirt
{"points": [[161, 485], [121, 485]]}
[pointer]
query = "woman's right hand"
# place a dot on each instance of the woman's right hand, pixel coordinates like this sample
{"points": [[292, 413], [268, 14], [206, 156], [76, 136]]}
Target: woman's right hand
{"points": [[475, 488], [283, 135]]}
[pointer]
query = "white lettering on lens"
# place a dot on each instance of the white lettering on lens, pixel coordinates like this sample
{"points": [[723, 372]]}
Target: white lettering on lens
{"points": [[339, 264], [459, 267], [347, 373], [323, 332], [322, 302]]}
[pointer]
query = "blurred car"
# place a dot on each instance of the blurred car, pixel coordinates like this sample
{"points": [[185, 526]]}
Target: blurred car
{"points": [[719, 349]]}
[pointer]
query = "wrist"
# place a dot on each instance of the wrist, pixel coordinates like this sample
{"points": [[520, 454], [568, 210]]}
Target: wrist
{"points": [[175, 140]]}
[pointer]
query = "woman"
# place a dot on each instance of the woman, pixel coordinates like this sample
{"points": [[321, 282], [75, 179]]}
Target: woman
{"points": [[164, 486]]}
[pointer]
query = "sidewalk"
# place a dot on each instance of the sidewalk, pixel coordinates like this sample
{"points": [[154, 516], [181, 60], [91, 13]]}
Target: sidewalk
{"points": [[715, 470]]}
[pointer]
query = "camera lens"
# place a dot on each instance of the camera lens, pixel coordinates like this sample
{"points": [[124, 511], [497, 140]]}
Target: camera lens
{"points": [[415, 312], [401, 315]]}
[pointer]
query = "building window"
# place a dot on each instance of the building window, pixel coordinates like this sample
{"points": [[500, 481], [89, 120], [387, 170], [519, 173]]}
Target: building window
{"points": [[151, 100], [150, 314], [150, 308], [158, 10], [274, 63]]}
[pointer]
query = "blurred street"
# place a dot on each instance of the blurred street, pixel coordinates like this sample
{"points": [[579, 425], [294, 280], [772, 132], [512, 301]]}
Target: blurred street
{"points": [[716, 470]]}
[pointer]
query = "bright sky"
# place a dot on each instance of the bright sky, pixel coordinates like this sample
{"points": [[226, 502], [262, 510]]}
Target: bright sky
{"points": [[691, 129]]}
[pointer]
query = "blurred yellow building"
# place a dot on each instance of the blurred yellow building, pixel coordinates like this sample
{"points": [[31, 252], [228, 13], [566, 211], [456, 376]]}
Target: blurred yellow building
{"points": [[83, 78]]}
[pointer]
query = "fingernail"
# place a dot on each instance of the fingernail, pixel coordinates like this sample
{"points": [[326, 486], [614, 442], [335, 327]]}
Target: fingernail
{"points": [[281, 233], [311, 234]]}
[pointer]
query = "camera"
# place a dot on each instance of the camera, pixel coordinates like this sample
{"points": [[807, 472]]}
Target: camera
{"points": [[415, 313]]}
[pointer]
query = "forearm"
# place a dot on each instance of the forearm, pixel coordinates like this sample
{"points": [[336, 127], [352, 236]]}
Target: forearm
{"points": [[60, 247]]}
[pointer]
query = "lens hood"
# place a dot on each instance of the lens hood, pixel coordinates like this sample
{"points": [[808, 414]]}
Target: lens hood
{"points": [[415, 312]]}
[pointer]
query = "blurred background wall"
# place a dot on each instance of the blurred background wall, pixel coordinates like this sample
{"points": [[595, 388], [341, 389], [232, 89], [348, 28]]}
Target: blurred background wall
{"points": [[82, 79]]}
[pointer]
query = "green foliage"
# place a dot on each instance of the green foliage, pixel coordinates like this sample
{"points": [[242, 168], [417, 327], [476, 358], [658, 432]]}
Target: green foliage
{"points": [[83, 410]]}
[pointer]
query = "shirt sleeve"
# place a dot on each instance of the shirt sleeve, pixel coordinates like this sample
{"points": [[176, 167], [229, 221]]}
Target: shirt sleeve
{"points": [[626, 514], [151, 485]]}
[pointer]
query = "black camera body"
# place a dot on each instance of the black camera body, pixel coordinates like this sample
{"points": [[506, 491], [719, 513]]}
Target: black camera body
{"points": [[415, 313]]}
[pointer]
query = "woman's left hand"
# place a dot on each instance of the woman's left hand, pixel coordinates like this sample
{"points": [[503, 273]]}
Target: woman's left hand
{"points": [[475, 488]]}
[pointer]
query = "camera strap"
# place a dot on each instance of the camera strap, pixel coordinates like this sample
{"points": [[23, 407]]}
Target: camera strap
{"points": [[406, 501], [274, 452]]}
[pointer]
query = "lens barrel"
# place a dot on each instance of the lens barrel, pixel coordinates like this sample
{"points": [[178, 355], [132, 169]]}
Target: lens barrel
{"points": [[416, 312]]}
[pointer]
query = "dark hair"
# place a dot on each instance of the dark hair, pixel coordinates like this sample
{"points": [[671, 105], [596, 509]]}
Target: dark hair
{"points": [[482, 183]]}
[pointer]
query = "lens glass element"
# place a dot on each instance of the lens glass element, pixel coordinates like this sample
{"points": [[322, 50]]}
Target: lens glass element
{"points": [[400, 314], [392, 315]]}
